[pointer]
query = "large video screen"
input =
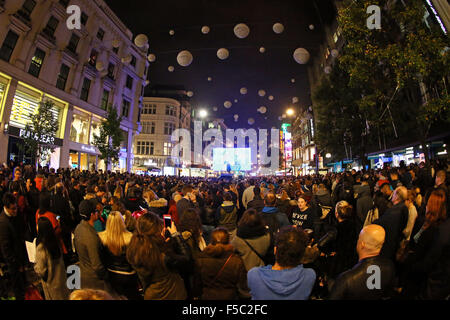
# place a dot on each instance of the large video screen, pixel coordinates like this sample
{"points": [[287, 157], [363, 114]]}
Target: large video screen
{"points": [[232, 159]]}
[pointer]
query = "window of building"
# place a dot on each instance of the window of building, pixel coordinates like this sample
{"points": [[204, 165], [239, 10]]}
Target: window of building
{"points": [[79, 130], [62, 77], [143, 147], [129, 83], [36, 62], [95, 128], [148, 127], [85, 89], [133, 61], [116, 50], [105, 99], [8, 45], [152, 109], [167, 148], [111, 67], [84, 18], [93, 57], [169, 127], [51, 26], [125, 108], [73, 43], [170, 110], [100, 33], [27, 8]]}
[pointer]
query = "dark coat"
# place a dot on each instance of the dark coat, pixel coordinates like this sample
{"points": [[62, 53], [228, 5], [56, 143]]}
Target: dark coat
{"points": [[184, 204], [393, 221], [12, 247], [213, 281], [364, 202], [352, 284], [257, 203]]}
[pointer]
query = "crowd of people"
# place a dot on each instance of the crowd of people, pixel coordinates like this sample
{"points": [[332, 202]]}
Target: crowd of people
{"points": [[376, 234]]}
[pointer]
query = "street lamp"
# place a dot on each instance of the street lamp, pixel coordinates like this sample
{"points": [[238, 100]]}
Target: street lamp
{"points": [[328, 155], [203, 113]]}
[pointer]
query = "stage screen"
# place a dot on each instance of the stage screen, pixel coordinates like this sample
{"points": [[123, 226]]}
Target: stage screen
{"points": [[232, 159]]}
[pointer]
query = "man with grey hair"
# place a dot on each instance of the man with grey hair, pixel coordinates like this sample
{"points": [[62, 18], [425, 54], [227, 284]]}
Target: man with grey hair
{"points": [[373, 276], [394, 222]]}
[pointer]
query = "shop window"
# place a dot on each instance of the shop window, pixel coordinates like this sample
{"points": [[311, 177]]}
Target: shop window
{"points": [[79, 131]]}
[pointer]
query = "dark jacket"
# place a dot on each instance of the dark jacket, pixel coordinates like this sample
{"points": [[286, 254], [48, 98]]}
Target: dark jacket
{"points": [[364, 202], [393, 221], [353, 284], [227, 216], [306, 219], [274, 219], [184, 204], [257, 203], [221, 274], [12, 247]]}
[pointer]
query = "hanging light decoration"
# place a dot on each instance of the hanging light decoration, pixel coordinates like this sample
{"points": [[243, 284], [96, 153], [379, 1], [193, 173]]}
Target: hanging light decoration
{"points": [[278, 28], [241, 30], [141, 40], [223, 53], [301, 56], [184, 58]]}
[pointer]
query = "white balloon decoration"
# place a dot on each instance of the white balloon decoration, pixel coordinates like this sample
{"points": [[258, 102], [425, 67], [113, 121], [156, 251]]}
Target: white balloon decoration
{"points": [[209, 79], [205, 29], [262, 109], [215, 109], [241, 30], [99, 66], [301, 56], [270, 98], [171, 32], [294, 99], [262, 49], [171, 68], [334, 53], [293, 80], [236, 117], [278, 28], [251, 121], [115, 43], [151, 57], [243, 90], [190, 94], [184, 58], [235, 100], [311, 27], [141, 40], [327, 69], [261, 93], [223, 53], [227, 104]]}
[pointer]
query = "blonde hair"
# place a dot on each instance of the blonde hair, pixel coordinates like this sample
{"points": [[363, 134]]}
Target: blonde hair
{"points": [[115, 237], [118, 192], [90, 294], [149, 195]]}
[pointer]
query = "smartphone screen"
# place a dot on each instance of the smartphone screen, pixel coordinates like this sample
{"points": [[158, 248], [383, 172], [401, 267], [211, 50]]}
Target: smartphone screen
{"points": [[167, 221]]}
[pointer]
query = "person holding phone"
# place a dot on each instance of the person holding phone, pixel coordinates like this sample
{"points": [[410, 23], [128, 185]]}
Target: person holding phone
{"points": [[159, 269]]}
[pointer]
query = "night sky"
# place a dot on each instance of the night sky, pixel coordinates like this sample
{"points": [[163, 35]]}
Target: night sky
{"points": [[271, 71]]}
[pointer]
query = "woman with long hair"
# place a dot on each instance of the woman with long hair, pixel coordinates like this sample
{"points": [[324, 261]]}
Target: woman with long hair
{"points": [[159, 259], [49, 262], [220, 272], [421, 243], [115, 240]]}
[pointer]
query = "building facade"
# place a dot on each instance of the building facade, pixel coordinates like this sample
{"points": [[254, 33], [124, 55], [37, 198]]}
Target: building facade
{"points": [[160, 116], [82, 71]]}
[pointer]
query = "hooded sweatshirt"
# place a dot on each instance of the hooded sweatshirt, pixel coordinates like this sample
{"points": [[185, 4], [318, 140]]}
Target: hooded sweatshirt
{"points": [[227, 215], [289, 284]]}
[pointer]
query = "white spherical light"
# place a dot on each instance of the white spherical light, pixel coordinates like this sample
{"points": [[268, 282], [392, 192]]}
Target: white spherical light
{"points": [[243, 90], [227, 104], [205, 29], [141, 40], [184, 58], [251, 121], [190, 94], [171, 68], [261, 93], [235, 100], [223, 53], [271, 98], [241, 30], [278, 28], [301, 55], [262, 109], [262, 49], [293, 80], [215, 109], [236, 117], [171, 32], [209, 79], [334, 53], [99, 66], [151, 57], [311, 27], [115, 43], [294, 99]]}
